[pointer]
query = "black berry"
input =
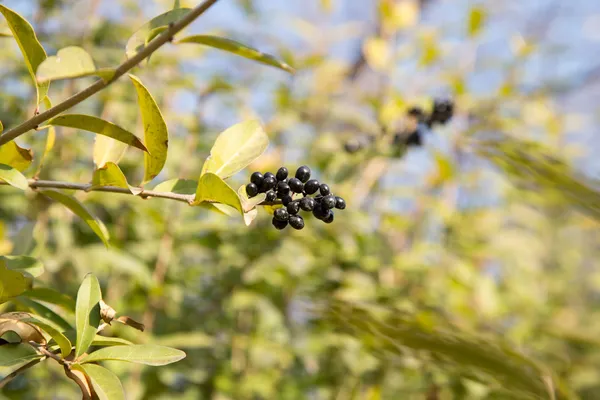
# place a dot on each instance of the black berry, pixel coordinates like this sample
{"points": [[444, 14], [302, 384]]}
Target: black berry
{"points": [[293, 207], [329, 218], [321, 213], [279, 224], [340, 203], [271, 196], [282, 174], [281, 214], [257, 179], [268, 183], [296, 185], [283, 189], [324, 189], [311, 186], [328, 201], [269, 174], [296, 222], [251, 189], [303, 173], [285, 200], [307, 204]]}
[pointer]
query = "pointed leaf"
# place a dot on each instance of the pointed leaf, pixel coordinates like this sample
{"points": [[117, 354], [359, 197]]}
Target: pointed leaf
{"points": [[99, 126], [137, 41], [235, 148], [17, 353], [71, 203], [106, 385], [13, 177], [51, 296], [148, 354], [237, 48], [213, 189], [12, 283], [70, 62], [87, 313], [43, 311], [60, 339], [33, 52], [15, 156], [24, 264], [156, 135], [111, 175]]}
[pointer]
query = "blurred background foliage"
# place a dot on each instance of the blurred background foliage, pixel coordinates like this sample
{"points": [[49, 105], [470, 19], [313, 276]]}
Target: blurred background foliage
{"points": [[490, 227]]}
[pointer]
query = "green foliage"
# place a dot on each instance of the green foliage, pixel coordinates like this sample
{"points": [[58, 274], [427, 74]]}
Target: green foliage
{"points": [[70, 62], [13, 177], [148, 354], [87, 313], [213, 189], [106, 384]]}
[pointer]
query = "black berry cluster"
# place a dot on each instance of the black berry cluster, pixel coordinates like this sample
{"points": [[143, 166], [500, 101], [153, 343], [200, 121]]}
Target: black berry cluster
{"points": [[418, 122], [289, 190]]}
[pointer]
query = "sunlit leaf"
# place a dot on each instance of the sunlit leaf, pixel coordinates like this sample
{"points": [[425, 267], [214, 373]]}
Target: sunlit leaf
{"points": [[108, 150], [13, 177], [15, 156], [17, 353], [59, 337], [137, 41], [24, 264], [179, 186], [213, 189], [33, 52], [87, 313], [111, 175], [12, 283], [148, 354], [99, 126], [237, 48], [477, 18], [249, 205], [70, 62], [106, 385], [156, 135], [235, 148]]}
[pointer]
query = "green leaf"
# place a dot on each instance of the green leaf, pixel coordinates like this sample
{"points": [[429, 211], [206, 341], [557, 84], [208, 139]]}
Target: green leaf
{"points": [[387, 331], [33, 52], [235, 148], [237, 48], [249, 205], [477, 18], [87, 313], [148, 354], [51, 296], [99, 126], [24, 264], [99, 340], [107, 385], [111, 175], [156, 135], [13, 177], [179, 186], [15, 156], [137, 41], [59, 338], [70, 62], [213, 189], [71, 203], [108, 150], [17, 353], [12, 283], [43, 311]]}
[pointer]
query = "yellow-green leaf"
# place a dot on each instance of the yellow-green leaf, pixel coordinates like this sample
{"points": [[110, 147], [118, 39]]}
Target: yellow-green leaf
{"points": [[139, 39], [13, 177], [1, 127], [33, 52], [179, 186], [60, 339], [106, 384], [70, 62], [249, 205], [15, 156], [108, 150], [71, 203], [213, 189], [235, 148], [24, 264], [237, 48], [477, 18], [99, 126], [148, 354], [87, 313], [156, 135], [111, 175], [12, 283]]}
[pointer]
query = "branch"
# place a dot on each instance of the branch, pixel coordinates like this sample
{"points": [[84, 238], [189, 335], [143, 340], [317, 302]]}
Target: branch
{"points": [[154, 45]]}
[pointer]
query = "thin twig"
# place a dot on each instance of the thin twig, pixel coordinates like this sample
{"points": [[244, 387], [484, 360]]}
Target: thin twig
{"points": [[100, 84]]}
